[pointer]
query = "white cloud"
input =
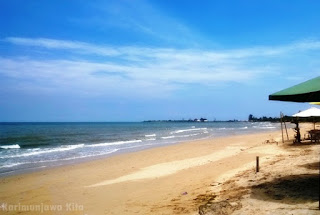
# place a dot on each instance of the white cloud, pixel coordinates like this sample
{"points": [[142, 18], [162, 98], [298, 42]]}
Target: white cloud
{"points": [[165, 53], [141, 70], [63, 44]]}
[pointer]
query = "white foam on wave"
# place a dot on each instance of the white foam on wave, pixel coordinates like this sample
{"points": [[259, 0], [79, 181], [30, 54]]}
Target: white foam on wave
{"points": [[45, 151], [84, 156], [264, 127], [114, 143], [35, 152], [18, 164], [16, 146], [150, 135], [187, 130], [268, 127], [224, 128], [189, 135], [55, 160], [168, 137], [151, 139], [33, 149], [11, 165]]}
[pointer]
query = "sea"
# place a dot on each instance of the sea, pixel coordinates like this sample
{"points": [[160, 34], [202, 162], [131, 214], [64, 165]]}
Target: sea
{"points": [[32, 146]]}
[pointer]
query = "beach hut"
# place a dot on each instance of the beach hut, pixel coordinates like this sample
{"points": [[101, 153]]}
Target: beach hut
{"points": [[310, 115], [311, 112], [308, 91]]}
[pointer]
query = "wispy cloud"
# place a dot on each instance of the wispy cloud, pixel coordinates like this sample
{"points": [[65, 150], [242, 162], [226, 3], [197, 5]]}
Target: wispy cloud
{"points": [[142, 70], [141, 19], [62, 44], [87, 48]]}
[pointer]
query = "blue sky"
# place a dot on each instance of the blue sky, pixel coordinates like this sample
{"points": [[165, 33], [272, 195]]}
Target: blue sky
{"points": [[136, 60]]}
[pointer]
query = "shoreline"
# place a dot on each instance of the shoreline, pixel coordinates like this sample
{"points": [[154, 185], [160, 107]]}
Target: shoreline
{"points": [[191, 167], [76, 161]]}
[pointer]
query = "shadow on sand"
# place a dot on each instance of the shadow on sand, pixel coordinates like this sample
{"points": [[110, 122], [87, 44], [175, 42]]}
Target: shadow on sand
{"points": [[290, 189], [303, 143], [312, 166]]}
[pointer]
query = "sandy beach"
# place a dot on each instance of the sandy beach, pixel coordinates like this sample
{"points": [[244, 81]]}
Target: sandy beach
{"points": [[213, 175], [152, 107]]}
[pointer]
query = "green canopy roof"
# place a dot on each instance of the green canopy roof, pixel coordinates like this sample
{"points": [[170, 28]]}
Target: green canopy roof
{"points": [[308, 91]]}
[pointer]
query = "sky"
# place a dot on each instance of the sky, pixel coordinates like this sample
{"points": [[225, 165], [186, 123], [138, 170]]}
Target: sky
{"points": [[135, 60]]}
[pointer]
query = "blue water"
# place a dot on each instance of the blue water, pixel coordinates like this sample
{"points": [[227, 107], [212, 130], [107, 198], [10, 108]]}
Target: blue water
{"points": [[29, 146]]}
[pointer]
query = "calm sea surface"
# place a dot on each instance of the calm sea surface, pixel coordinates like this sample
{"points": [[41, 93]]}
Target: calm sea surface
{"points": [[31, 146]]}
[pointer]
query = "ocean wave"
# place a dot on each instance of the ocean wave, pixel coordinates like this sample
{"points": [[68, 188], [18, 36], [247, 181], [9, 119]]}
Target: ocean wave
{"points": [[11, 165], [268, 127], [84, 156], [151, 139], [114, 143], [168, 137], [132, 147], [32, 145], [224, 128], [150, 135], [34, 149], [264, 127], [189, 135], [187, 130], [55, 160], [37, 151], [45, 151], [16, 146]]}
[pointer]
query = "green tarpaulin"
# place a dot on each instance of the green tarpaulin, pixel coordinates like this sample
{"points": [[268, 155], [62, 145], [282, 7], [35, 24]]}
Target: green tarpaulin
{"points": [[308, 91]]}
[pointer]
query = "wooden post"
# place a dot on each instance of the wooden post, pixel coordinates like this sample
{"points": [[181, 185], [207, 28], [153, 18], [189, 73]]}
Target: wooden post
{"points": [[281, 126], [286, 130], [257, 164]]}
